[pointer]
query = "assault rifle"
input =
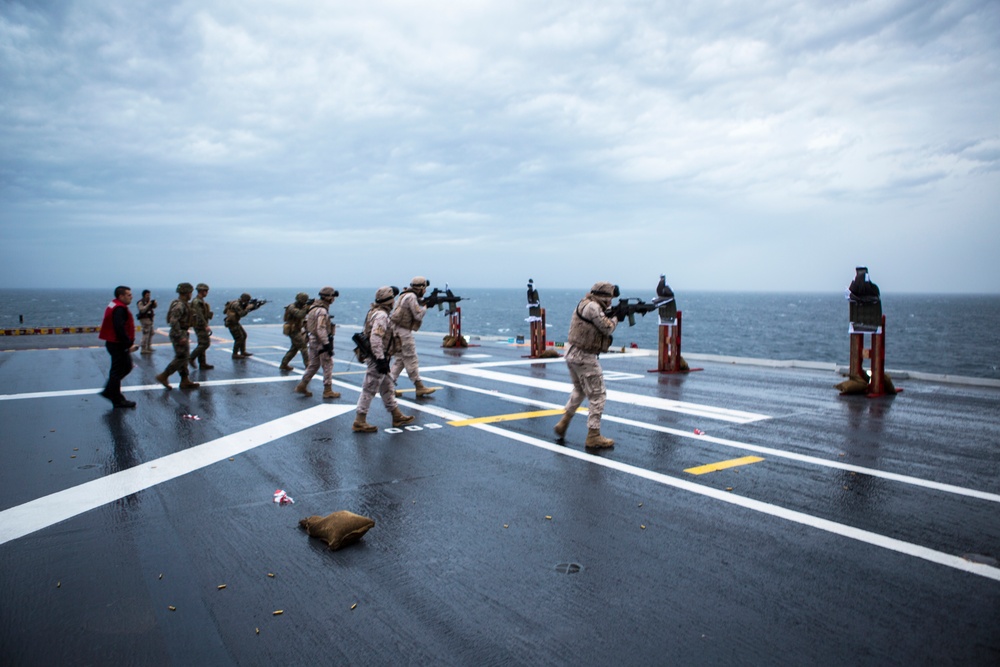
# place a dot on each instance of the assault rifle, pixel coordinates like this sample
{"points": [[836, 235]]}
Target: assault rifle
{"points": [[628, 307], [254, 304], [437, 298]]}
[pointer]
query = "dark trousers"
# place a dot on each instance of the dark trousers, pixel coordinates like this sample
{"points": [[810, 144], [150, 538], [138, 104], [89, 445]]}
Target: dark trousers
{"points": [[121, 365]]}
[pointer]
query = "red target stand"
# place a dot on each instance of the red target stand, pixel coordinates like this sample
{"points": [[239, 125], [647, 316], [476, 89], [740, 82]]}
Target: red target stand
{"points": [[538, 346], [455, 337], [878, 384], [668, 358]]}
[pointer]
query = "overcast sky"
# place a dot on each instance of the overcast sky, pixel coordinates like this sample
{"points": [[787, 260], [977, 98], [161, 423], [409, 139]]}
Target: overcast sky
{"points": [[765, 145]]}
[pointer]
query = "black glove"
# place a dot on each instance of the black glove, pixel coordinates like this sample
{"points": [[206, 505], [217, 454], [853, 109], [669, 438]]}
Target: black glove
{"points": [[382, 366], [327, 349]]}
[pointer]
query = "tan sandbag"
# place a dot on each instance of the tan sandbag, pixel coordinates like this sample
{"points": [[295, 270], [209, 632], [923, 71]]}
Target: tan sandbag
{"points": [[855, 385], [337, 529], [454, 341], [684, 365], [887, 384], [548, 354]]}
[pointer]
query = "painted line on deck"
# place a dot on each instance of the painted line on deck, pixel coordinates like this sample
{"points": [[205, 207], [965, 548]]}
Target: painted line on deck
{"points": [[143, 387], [506, 418], [736, 444], [843, 530], [723, 465], [695, 409], [43, 512]]}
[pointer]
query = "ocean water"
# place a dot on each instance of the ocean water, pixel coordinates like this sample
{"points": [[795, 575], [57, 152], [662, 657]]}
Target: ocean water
{"points": [[938, 333]]}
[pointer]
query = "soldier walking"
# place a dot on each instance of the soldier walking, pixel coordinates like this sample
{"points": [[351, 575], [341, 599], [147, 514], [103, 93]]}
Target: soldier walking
{"points": [[201, 313], [146, 306], [319, 327], [295, 317], [378, 379], [179, 319], [589, 334], [406, 318]]}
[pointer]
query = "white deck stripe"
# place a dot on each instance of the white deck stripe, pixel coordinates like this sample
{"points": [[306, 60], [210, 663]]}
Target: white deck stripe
{"points": [[745, 446], [875, 539], [51, 509], [868, 537], [706, 411], [143, 387]]}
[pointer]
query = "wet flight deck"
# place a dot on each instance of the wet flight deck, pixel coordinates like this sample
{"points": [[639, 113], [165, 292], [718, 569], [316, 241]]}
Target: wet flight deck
{"points": [[747, 515]]}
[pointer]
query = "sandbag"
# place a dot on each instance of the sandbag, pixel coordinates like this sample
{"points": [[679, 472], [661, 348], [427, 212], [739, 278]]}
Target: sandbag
{"points": [[337, 529], [854, 385]]}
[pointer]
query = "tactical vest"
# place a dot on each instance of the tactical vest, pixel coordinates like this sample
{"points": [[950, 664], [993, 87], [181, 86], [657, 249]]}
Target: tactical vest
{"points": [[583, 332], [402, 316], [294, 318], [179, 315], [199, 307], [313, 322], [390, 345], [232, 313]]}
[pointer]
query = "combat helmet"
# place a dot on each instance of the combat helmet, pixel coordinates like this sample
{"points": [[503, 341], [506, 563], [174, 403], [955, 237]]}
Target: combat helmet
{"points": [[605, 289], [385, 294], [184, 288]]}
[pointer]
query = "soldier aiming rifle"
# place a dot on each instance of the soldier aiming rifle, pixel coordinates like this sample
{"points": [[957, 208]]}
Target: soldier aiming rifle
{"points": [[236, 310]]}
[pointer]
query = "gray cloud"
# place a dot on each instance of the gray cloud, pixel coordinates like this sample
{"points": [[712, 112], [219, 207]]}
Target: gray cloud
{"points": [[279, 144]]}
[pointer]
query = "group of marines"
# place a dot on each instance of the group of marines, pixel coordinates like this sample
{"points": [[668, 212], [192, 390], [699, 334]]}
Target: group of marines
{"points": [[386, 346]]}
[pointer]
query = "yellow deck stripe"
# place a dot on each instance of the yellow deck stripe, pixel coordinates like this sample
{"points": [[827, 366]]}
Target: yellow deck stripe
{"points": [[506, 418], [722, 465]]}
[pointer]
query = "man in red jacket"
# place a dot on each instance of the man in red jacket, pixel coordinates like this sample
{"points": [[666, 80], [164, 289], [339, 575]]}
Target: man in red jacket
{"points": [[118, 334]]}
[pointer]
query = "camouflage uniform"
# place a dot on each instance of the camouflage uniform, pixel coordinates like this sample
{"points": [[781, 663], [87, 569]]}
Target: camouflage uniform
{"points": [[320, 330], [406, 318], [201, 313], [378, 379], [179, 319], [589, 334], [295, 315], [146, 312], [235, 311]]}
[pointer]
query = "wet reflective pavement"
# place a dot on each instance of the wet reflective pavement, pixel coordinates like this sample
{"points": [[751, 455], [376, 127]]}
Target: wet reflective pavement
{"points": [[746, 515]]}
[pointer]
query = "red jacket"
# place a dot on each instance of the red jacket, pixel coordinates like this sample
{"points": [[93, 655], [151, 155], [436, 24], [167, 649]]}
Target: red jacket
{"points": [[118, 325]]}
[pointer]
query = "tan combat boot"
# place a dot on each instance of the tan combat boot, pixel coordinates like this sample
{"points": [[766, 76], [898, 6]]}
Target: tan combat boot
{"points": [[328, 392], [162, 379], [422, 390], [186, 383], [301, 388], [597, 441], [399, 419], [361, 424], [563, 424]]}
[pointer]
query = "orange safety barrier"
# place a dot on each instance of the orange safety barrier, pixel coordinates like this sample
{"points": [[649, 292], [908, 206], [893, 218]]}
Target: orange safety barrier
{"points": [[41, 331]]}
